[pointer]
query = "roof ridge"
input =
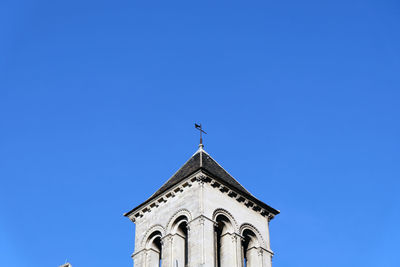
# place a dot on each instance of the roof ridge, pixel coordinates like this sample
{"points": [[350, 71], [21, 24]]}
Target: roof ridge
{"points": [[157, 191]]}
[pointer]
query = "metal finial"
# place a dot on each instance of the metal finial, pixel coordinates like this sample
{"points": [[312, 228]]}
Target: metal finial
{"points": [[198, 127]]}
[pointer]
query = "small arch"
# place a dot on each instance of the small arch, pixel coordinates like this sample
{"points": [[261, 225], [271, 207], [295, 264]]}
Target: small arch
{"points": [[250, 239], [172, 220], [153, 250], [218, 212], [178, 229], [251, 244], [257, 234], [155, 228], [224, 230], [177, 224], [154, 241]]}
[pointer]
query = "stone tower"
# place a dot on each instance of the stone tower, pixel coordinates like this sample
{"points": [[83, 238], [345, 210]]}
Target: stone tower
{"points": [[202, 217]]}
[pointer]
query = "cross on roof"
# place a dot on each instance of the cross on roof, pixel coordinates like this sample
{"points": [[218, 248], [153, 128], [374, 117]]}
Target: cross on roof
{"points": [[198, 127]]}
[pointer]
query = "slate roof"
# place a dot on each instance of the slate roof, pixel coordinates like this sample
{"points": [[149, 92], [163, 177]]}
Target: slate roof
{"points": [[209, 166]]}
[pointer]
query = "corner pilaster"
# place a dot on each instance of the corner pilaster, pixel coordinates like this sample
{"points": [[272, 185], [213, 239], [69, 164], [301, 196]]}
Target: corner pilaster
{"points": [[201, 243]]}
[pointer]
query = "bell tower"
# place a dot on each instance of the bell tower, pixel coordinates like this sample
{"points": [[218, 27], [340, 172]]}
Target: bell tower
{"points": [[202, 217]]}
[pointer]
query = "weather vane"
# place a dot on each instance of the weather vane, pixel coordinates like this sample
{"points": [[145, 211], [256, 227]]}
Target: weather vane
{"points": [[198, 127]]}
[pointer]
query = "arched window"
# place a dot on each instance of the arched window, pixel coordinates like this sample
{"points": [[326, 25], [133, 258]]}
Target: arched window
{"points": [[180, 248], [250, 247], [224, 247], [154, 250]]}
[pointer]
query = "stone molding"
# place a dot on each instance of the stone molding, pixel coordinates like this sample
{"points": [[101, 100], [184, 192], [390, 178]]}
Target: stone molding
{"points": [[221, 211], [150, 231], [143, 250], [201, 178], [188, 182], [202, 218], [176, 215], [261, 249], [254, 229]]}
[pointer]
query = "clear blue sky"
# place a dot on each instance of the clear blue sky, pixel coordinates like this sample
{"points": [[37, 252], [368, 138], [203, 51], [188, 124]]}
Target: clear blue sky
{"points": [[300, 100]]}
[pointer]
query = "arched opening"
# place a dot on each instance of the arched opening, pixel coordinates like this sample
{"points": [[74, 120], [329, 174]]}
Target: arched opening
{"points": [[250, 245], [180, 246], [154, 250], [224, 247]]}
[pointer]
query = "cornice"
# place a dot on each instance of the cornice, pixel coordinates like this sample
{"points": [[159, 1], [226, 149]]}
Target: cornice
{"points": [[155, 203], [201, 178]]}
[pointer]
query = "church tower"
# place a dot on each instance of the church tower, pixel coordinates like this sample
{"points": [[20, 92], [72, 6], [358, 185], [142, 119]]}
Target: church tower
{"points": [[202, 217]]}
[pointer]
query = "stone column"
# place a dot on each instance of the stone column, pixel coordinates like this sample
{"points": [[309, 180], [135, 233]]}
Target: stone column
{"points": [[201, 237], [254, 257], [267, 258], [152, 258], [201, 243], [178, 250], [239, 250], [267, 253], [228, 250], [139, 258], [166, 253]]}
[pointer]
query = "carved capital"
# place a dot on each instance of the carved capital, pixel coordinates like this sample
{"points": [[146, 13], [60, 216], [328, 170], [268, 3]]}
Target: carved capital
{"points": [[240, 238], [201, 221], [260, 252], [170, 239], [234, 238]]}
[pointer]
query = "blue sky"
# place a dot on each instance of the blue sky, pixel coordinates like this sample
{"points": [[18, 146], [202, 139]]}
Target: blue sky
{"points": [[300, 100]]}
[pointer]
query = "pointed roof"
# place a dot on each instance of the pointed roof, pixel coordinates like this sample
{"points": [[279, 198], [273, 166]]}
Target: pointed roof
{"points": [[201, 160]]}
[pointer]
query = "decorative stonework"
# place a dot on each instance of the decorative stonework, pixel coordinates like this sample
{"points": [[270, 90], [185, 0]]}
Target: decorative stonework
{"points": [[181, 212], [201, 179], [254, 229], [228, 215], [151, 230], [199, 217]]}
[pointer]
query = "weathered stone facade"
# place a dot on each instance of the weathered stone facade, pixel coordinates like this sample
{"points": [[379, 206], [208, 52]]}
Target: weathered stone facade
{"points": [[202, 218]]}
